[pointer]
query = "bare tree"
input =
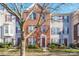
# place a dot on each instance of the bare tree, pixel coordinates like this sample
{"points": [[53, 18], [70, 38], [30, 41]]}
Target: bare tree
{"points": [[18, 13]]}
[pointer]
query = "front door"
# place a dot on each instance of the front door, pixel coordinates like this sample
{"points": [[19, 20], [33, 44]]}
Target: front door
{"points": [[43, 42], [65, 42]]}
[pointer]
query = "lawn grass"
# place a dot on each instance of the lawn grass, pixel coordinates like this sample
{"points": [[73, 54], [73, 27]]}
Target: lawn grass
{"points": [[41, 50], [3, 49], [17, 50], [65, 50]]}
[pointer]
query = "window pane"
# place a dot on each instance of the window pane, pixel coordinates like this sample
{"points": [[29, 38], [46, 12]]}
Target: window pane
{"points": [[67, 30], [33, 16], [55, 30], [6, 29], [31, 41], [31, 28], [78, 30], [9, 17], [43, 17], [67, 18], [43, 28]]}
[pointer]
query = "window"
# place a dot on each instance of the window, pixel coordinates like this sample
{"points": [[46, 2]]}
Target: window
{"points": [[43, 28], [13, 17], [63, 31], [31, 41], [57, 18], [67, 18], [6, 29], [18, 30], [9, 17], [67, 30], [60, 17], [43, 17], [59, 41], [31, 28], [33, 16], [55, 30], [78, 30], [1, 32], [52, 31]]}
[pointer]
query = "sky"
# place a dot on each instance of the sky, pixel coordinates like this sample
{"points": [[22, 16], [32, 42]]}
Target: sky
{"points": [[67, 8]]}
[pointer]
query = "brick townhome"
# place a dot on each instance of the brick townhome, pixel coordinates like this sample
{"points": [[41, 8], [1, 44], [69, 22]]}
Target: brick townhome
{"points": [[75, 26], [41, 37]]}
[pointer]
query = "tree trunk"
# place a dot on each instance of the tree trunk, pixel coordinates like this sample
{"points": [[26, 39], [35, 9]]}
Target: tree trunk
{"points": [[22, 44]]}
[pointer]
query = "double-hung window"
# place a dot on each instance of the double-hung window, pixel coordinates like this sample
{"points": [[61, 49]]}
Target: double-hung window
{"points": [[31, 40], [43, 28], [43, 17], [33, 16], [55, 30], [6, 28], [31, 28]]}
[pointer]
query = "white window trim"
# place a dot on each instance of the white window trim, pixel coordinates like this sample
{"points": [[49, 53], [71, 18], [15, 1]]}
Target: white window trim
{"points": [[31, 27]]}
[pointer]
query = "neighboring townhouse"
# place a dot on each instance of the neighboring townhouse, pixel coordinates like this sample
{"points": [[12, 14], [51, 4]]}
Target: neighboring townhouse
{"points": [[2, 20], [18, 33], [7, 27], [60, 29], [75, 26], [41, 37]]}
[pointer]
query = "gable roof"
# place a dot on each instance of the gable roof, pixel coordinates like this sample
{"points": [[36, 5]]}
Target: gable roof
{"points": [[31, 6]]}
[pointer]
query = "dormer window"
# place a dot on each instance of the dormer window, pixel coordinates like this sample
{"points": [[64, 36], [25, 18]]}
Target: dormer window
{"points": [[33, 16]]}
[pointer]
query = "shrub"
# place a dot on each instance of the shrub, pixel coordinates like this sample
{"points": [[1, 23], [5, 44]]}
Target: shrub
{"points": [[32, 46], [62, 46], [8, 45], [72, 45], [53, 45], [2, 45]]}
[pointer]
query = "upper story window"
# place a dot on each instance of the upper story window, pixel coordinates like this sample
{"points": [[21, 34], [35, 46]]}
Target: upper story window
{"points": [[66, 30], [13, 17], [43, 17], [57, 18], [78, 30], [31, 28], [66, 19], [18, 30], [33, 16], [8, 17], [43, 28]]}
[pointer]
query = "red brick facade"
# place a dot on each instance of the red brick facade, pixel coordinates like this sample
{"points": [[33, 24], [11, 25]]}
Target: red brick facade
{"points": [[38, 32], [76, 37]]}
